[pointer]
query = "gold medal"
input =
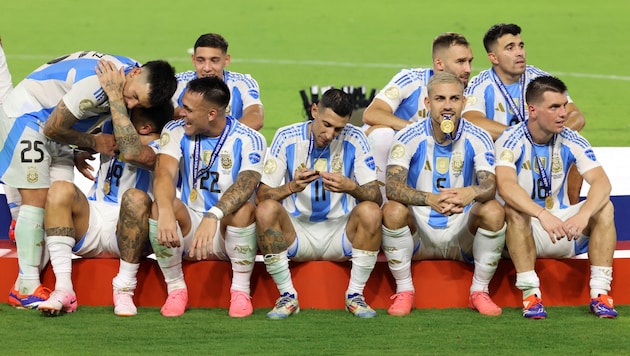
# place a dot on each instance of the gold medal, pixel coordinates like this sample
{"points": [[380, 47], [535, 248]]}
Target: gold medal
{"points": [[447, 126], [107, 188], [193, 195], [549, 202]]}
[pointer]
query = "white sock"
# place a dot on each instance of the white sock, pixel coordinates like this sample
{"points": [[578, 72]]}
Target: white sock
{"points": [[29, 238], [278, 267], [380, 141], [169, 259], [363, 263], [398, 248], [601, 277], [487, 249], [240, 243], [528, 283], [126, 279], [60, 248]]}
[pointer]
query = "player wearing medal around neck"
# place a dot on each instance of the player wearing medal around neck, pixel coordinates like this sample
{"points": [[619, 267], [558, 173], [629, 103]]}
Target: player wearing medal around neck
{"points": [[95, 225], [319, 200], [533, 159], [401, 102], [441, 189], [495, 98], [58, 105], [220, 162], [210, 58]]}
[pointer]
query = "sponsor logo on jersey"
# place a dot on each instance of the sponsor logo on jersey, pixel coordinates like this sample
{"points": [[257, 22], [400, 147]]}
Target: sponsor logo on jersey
{"points": [[590, 154], [254, 158], [369, 161], [490, 158], [253, 93]]}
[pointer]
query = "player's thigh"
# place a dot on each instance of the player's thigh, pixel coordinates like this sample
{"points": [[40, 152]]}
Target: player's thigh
{"points": [[100, 236], [324, 240]]}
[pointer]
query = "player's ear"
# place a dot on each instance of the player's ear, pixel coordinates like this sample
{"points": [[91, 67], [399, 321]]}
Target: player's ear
{"points": [[228, 58], [135, 71], [314, 110], [437, 63], [492, 58]]}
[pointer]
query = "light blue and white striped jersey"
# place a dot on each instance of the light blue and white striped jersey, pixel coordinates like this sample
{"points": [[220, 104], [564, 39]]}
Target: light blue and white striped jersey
{"points": [[72, 78], [244, 91], [432, 166], [348, 154], [121, 176], [513, 149], [405, 93], [243, 150], [483, 95]]}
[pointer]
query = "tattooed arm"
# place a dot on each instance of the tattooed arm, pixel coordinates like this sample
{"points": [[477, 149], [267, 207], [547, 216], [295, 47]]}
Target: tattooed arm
{"points": [[368, 192], [238, 193], [131, 146], [397, 188]]}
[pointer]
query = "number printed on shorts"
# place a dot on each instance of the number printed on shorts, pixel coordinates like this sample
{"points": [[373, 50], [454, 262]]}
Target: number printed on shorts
{"points": [[32, 152]]}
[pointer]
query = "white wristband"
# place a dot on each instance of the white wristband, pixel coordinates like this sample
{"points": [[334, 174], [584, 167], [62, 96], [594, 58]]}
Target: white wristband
{"points": [[216, 212]]}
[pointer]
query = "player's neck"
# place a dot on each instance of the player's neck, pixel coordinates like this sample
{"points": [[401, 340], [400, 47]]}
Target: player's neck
{"points": [[438, 136], [507, 78], [216, 127], [539, 136]]}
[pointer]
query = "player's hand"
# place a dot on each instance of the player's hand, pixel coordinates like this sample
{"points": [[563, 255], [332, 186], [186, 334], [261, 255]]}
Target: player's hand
{"points": [[552, 225], [303, 177], [575, 225], [81, 159], [440, 203], [204, 236], [459, 197], [167, 231], [336, 182], [112, 80], [105, 144]]}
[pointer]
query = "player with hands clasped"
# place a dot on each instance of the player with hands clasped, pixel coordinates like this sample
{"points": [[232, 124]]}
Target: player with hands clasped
{"points": [[534, 158], [441, 188], [319, 200]]}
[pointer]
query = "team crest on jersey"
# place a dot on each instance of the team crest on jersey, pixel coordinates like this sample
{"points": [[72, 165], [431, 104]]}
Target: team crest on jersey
{"points": [[321, 164], [591, 155], [507, 155], [253, 93], [31, 175], [457, 163], [86, 104], [471, 100], [226, 161], [164, 139], [556, 164], [392, 93], [254, 158], [397, 151], [270, 166], [337, 165], [369, 161], [441, 164], [490, 158]]}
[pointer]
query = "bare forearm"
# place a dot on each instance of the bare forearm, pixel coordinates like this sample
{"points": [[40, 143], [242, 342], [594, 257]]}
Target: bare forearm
{"points": [[239, 192], [368, 192], [58, 127], [486, 189]]}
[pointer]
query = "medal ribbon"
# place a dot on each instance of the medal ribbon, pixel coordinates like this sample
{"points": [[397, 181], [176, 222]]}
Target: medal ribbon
{"points": [[110, 172], [546, 179], [215, 153], [458, 131], [520, 114]]}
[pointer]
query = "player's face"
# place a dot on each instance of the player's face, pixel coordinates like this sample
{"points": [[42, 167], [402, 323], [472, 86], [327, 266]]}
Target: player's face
{"points": [[136, 92], [457, 60], [210, 61], [551, 114], [326, 125], [445, 99], [509, 54], [196, 113]]}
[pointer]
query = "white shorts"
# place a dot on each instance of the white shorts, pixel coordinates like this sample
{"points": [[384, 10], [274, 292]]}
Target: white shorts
{"points": [[451, 243], [218, 242], [324, 240], [562, 248], [32, 161], [100, 238]]}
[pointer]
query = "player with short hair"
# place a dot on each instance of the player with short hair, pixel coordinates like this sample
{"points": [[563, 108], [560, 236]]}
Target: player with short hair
{"points": [[96, 225], [58, 105], [495, 98], [401, 102], [534, 157], [441, 189], [220, 161], [319, 200], [210, 57]]}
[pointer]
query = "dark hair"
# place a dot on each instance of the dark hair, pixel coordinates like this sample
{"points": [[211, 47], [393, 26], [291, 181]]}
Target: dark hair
{"points": [[162, 81], [497, 31], [158, 115], [447, 39], [213, 89], [337, 100], [212, 40], [537, 88]]}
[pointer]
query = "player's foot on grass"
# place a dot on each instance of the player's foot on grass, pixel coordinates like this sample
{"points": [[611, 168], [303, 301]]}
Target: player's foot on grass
{"points": [[402, 305], [355, 304], [481, 302], [286, 306], [123, 304], [603, 306], [240, 304], [60, 301], [28, 301], [533, 308], [176, 303]]}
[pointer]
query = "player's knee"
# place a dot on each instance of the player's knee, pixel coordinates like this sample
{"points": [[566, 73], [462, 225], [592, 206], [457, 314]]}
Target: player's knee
{"points": [[514, 217], [370, 215], [267, 212], [605, 214], [395, 214], [136, 197], [493, 214], [60, 193], [243, 216]]}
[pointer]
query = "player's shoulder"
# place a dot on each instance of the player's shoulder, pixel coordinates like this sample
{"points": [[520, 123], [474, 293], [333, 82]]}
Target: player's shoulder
{"points": [[535, 72], [569, 136], [233, 78], [479, 80], [407, 75], [512, 137], [420, 130], [186, 76], [477, 133]]}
